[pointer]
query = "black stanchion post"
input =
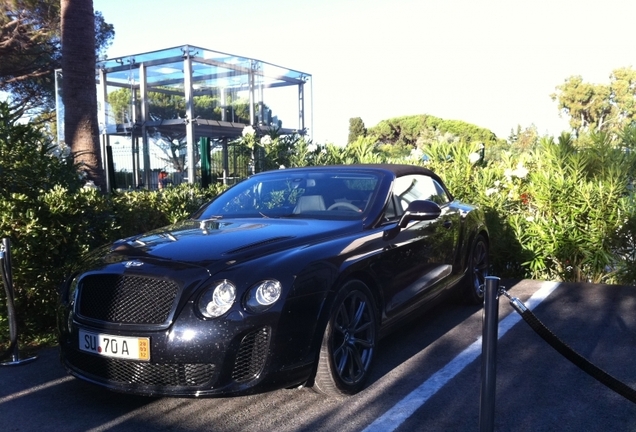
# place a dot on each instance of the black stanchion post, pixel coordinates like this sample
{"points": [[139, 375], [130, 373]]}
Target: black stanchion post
{"points": [[14, 358], [490, 330]]}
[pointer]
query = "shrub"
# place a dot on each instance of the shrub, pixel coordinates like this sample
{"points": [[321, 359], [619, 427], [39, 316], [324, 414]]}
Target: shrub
{"points": [[48, 234], [561, 212], [28, 163], [140, 211], [53, 231], [578, 201]]}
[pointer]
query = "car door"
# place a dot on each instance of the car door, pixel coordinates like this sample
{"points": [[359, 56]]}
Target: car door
{"points": [[419, 259]]}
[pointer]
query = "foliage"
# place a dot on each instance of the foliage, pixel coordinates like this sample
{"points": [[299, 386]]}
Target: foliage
{"points": [[48, 233], [362, 150], [560, 212], [28, 163], [524, 140], [139, 211], [575, 207], [275, 151], [52, 231], [599, 107], [420, 130], [30, 50], [356, 129]]}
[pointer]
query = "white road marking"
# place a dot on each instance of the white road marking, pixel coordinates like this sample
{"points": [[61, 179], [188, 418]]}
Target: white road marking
{"points": [[394, 417]]}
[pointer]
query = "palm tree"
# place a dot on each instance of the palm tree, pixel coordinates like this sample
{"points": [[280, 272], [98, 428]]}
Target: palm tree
{"points": [[79, 94]]}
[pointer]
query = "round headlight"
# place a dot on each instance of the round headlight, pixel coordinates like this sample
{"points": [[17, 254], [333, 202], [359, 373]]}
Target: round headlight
{"points": [[217, 299], [263, 295]]}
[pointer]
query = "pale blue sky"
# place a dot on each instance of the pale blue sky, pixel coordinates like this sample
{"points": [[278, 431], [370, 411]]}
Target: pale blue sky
{"points": [[491, 63]]}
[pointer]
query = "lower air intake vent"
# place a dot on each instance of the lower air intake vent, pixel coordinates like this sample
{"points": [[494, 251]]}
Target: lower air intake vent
{"points": [[133, 372], [251, 356]]}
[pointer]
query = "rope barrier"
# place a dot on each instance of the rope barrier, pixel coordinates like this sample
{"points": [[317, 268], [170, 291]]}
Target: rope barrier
{"points": [[597, 373]]}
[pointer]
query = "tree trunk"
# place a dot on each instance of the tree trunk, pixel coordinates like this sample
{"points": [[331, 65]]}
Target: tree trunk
{"points": [[79, 93]]}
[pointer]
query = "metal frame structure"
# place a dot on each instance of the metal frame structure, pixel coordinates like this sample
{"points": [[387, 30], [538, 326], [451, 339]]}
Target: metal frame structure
{"points": [[194, 74]]}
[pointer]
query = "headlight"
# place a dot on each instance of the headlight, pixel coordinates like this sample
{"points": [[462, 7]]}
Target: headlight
{"points": [[217, 299], [263, 295]]}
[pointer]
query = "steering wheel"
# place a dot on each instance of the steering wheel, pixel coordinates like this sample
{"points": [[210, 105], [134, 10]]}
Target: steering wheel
{"points": [[345, 205]]}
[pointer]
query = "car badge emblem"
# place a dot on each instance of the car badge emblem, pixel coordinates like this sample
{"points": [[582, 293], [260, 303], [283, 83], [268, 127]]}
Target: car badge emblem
{"points": [[129, 264]]}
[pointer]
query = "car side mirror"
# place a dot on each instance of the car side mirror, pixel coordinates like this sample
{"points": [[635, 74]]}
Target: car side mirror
{"points": [[422, 210]]}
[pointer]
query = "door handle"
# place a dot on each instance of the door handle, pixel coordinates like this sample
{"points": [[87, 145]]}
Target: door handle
{"points": [[447, 224]]}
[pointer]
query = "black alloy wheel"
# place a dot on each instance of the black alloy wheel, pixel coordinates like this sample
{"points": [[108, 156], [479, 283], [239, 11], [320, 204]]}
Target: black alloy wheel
{"points": [[477, 271], [348, 343]]}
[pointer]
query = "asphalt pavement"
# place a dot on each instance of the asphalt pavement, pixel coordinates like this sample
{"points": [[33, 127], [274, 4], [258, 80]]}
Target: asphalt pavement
{"points": [[426, 378]]}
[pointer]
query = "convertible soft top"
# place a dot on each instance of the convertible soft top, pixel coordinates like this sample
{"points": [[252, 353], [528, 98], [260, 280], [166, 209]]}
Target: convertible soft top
{"points": [[397, 169]]}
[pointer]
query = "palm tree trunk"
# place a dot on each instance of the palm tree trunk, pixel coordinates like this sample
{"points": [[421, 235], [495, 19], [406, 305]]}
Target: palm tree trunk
{"points": [[79, 94]]}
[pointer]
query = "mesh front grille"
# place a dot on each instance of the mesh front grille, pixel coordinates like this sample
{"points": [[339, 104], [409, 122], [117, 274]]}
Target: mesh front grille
{"points": [[151, 374], [251, 355], [126, 299]]}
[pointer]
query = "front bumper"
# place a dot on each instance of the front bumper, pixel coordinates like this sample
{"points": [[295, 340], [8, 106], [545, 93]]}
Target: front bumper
{"points": [[221, 357]]}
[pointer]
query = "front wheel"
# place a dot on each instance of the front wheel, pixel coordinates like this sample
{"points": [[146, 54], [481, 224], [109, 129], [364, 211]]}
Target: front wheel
{"points": [[477, 271], [348, 344]]}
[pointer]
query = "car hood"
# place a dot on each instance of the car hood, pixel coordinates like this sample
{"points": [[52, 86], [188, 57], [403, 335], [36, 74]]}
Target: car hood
{"points": [[203, 243]]}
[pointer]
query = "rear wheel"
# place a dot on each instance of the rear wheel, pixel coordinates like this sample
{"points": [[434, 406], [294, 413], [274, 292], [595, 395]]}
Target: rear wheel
{"points": [[477, 271], [348, 344]]}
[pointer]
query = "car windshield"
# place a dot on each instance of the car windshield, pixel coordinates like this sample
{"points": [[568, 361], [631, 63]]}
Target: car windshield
{"points": [[311, 194]]}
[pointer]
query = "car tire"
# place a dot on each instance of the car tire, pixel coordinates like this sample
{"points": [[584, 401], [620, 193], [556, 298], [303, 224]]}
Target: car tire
{"points": [[477, 271], [348, 343]]}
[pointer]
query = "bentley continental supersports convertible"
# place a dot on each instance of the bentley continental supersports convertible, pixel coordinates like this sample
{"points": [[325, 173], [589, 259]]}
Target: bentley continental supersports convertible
{"points": [[288, 278]]}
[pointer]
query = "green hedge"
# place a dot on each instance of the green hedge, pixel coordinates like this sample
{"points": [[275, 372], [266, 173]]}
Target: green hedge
{"points": [[51, 232]]}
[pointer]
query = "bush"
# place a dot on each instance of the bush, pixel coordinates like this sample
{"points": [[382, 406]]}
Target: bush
{"points": [[53, 231], [28, 161], [47, 235], [577, 203], [561, 212], [140, 211]]}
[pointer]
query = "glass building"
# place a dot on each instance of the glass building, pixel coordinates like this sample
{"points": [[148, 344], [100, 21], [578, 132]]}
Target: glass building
{"points": [[177, 98]]}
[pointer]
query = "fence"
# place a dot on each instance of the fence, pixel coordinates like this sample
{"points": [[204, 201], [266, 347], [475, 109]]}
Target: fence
{"points": [[128, 164]]}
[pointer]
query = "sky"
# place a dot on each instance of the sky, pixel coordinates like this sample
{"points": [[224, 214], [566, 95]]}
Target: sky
{"points": [[492, 63]]}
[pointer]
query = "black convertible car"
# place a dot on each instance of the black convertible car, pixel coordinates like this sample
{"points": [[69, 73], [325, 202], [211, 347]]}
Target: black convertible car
{"points": [[288, 278]]}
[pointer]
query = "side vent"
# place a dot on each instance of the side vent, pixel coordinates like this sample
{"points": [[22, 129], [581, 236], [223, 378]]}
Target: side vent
{"points": [[251, 356]]}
